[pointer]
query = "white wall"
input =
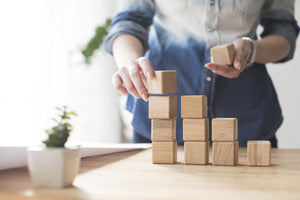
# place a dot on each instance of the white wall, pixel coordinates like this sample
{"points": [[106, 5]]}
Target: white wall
{"points": [[41, 67], [286, 78]]}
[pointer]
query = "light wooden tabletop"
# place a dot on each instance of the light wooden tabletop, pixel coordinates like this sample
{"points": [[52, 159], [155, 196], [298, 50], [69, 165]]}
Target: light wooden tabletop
{"points": [[131, 175]]}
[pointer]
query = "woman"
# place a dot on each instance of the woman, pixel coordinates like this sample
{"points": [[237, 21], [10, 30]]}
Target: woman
{"points": [[180, 38]]}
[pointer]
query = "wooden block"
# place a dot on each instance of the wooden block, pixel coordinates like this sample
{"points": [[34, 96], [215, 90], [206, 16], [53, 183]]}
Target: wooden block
{"points": [[224, 129], [196, 130], [164, 152], [163, 82], [163, 130], [194, 106], [162, 107], [196, 153], [259, 153], [223, 54], [225, 153]]}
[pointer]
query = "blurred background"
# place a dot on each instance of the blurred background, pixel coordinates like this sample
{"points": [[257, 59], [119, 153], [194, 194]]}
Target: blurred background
{"points": [[42, 66]]}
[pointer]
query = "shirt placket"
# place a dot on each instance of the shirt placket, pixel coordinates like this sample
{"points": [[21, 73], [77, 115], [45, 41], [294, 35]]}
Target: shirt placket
{"points": [[212, 39]]}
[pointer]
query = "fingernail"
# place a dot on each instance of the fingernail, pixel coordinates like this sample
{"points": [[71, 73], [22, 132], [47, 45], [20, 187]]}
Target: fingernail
{"points": [[145, 97], [206, 65], [149, 75], [238, 65]]}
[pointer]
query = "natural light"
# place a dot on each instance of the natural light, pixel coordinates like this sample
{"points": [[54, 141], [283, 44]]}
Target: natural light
{"points": [[42, 67]]}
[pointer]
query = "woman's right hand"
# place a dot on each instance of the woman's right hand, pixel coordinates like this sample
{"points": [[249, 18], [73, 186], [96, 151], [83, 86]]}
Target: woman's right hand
{"points": [[132, 78]]}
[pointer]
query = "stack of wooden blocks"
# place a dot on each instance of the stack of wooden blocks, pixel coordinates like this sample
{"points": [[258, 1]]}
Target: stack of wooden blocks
{"points": [[195, 129], [163, 112], [225, 145]]}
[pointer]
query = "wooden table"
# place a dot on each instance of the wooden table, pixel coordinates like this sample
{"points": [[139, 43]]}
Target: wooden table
{"points": [[131, 175]]}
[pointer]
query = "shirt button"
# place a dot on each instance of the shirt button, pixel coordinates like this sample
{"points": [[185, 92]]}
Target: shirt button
{"points": [[208, 79], [211, 2]]}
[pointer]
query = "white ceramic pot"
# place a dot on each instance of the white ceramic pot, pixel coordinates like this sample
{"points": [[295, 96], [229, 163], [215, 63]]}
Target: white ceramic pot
{"points": [[53, 167]]}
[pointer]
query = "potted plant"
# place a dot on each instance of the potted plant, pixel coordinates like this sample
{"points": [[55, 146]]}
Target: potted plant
{"points": [[54, 165]]}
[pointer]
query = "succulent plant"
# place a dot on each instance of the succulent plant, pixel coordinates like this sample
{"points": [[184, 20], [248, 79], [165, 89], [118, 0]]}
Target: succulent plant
{"points": [[59, 134]]}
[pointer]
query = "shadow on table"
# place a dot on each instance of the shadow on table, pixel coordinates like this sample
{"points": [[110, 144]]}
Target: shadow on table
{"points": [[66, 193], [91, 163]]}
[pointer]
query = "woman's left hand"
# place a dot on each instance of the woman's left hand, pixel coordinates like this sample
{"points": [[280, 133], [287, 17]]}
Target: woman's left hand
{"points": [[243, 50]]}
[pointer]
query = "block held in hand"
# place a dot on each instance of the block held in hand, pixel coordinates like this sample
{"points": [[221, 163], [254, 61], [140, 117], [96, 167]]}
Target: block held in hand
{"points": [[223, 54], [163, 82]]}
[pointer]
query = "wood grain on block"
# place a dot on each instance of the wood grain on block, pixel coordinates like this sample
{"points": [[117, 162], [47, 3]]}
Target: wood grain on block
{"points": [[164, 152], [259, 153], [163, 130], [223, 54], [194, 106], [163, 82], [196, 130], [162, 107], [224, 129], [196, 153], [225, 153]]}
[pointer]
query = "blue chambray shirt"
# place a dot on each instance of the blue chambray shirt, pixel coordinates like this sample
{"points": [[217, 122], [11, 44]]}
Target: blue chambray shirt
{"points": [[181, 36]]}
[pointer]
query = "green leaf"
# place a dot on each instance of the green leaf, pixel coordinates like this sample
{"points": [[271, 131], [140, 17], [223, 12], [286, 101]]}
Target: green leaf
{"points": [[96, 41], [71, 113], [59, 108], [65, 117], [67, 125]]}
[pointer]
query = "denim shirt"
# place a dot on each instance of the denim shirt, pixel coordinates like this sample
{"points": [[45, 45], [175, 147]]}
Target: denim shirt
{"points": [[181, 35]]}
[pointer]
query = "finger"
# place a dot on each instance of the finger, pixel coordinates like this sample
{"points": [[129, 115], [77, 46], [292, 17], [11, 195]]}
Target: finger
{"points": [[238, 58], [241, 54], [144, 79], [128, 83], [136, 78], [146, 66], [223, 70], [237, 64], [118, 84], [240, 61]]}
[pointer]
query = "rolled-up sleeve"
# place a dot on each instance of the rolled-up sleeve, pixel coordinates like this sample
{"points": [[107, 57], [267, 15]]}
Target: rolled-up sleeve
{"points": [[278, 19], [134, 18]]}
